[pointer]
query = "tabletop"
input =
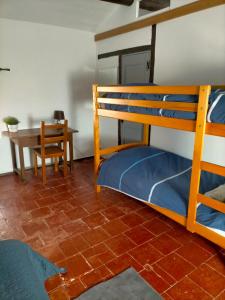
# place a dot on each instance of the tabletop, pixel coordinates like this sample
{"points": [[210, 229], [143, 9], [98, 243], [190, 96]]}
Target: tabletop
{"points": [[22, 133]]}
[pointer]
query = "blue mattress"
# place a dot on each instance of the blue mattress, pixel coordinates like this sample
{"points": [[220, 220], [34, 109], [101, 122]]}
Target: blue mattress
{"points": [[161, 178], [216, 113]]}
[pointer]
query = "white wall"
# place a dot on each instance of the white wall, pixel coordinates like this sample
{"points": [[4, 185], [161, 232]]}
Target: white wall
{"points": [[52, 68], [107, 73], [189, 50]]}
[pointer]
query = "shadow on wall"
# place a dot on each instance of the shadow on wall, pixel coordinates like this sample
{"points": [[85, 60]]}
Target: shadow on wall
{"points": [[80, 109]]}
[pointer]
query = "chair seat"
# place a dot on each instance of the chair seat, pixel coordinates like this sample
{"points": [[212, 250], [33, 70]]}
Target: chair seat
{"points": [[50, 151]]}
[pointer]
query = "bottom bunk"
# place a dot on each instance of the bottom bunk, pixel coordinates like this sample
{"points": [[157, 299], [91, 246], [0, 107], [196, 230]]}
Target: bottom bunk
{"points": [[162, 180]]}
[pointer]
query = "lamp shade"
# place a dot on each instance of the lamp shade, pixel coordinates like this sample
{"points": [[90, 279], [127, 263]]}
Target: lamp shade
{"points": [[59, 115]]}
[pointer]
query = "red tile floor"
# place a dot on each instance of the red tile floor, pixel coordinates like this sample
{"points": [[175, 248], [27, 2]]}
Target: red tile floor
{"points": [[98, 236]]}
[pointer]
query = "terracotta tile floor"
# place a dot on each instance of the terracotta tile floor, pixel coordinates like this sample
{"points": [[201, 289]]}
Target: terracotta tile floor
{"points": [[98, 236]]}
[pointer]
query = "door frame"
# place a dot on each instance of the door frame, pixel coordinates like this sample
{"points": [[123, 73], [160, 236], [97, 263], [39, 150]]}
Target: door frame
{"points": [[119, 53]]}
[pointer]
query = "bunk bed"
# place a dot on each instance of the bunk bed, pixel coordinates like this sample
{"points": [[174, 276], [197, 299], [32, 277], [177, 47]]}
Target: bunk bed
{"points": [[198, 109]]}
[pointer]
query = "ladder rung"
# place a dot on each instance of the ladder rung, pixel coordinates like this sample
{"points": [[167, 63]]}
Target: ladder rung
{"points": [[213, 168], [220, 206]]}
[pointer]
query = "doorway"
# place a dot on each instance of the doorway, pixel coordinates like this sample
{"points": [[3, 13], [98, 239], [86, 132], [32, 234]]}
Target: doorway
{"points": [[134, 68]]}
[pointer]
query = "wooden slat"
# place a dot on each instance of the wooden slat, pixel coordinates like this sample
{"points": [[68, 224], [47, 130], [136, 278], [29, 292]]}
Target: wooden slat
{"points": [[212, 168], [54, 139], [215, 129], [162, 17], [183, 90], [197, 156], [119, 148], [54, 126], [210, 235], [217, 205], [181, 106], [187, 125]]}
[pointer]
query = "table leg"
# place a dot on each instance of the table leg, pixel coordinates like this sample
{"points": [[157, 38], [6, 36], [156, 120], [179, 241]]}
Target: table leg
{"points": [[71, 151], [22, 167], [13, 154]]}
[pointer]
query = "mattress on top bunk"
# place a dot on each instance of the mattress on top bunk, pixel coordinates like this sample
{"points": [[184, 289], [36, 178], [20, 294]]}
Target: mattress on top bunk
{"points": [[216, 112], [161, 178]]}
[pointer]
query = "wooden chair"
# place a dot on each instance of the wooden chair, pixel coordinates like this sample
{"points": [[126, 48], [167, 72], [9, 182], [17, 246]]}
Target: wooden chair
{"points": [[53, 137]]}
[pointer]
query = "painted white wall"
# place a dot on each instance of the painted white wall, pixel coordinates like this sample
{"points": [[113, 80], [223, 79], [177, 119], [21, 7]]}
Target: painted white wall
{"points": [[107, 73], [52, 68], [189, 50]]}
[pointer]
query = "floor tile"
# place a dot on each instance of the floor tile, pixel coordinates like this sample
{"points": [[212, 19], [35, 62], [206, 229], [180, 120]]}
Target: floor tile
{"points": [[115, 227], [94, 277], [208, 279], [162, 273], [120, 244], [59, 294], [186, 289], [193, 253], [145, 254], [75, 227], [76, 288], [57, 219], [112, 213], [77, 265], [147, 213], [165, 244], [76, 213], [221, 296], [33, 227], [95, 236], [46, 201], [132, 219], [175, 265], [53, 282], [95, 220], [156, 226], [98, 255], [53, 253], [155, 280], [122, 263], [40, 212], [64, 206], [139, 234], [217, 262]]}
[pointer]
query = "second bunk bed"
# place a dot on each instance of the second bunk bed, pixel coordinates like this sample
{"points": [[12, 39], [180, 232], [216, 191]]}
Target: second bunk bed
{"points": [[177, 187]]}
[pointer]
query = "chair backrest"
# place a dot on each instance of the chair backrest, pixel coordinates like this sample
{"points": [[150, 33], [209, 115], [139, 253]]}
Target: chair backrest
{"points": [[54, 133]]}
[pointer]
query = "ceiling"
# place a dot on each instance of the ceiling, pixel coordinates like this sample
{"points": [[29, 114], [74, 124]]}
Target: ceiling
{"points": [[80, 14]]}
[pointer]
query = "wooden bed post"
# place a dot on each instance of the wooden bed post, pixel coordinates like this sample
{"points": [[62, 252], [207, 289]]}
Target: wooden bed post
{"points": [[146, 131], [204, 93], [96, 136]]}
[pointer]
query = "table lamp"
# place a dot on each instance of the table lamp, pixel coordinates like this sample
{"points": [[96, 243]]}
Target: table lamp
{"points": [[58, 116]]}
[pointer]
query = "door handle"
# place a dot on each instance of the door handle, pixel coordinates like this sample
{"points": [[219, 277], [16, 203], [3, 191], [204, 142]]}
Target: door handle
{"points": [[148, 65]]}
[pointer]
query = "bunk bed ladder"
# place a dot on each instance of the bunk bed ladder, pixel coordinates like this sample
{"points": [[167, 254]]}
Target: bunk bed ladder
{"points": [[97, 159], [204, 93]]}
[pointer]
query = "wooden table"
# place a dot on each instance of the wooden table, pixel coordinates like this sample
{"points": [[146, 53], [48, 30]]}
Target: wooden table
{"points": [[31, 138]]}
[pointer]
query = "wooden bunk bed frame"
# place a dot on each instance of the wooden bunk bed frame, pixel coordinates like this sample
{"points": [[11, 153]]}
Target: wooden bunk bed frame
{"points": [[199, 126]]}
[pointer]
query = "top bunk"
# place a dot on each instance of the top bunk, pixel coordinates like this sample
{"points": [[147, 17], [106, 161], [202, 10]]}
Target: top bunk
{"points": [[177, 107]]}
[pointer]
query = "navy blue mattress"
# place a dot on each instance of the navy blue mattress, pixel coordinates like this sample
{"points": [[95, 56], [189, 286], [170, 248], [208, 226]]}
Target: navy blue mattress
{"points": [[216, 113], [161, 178]]}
